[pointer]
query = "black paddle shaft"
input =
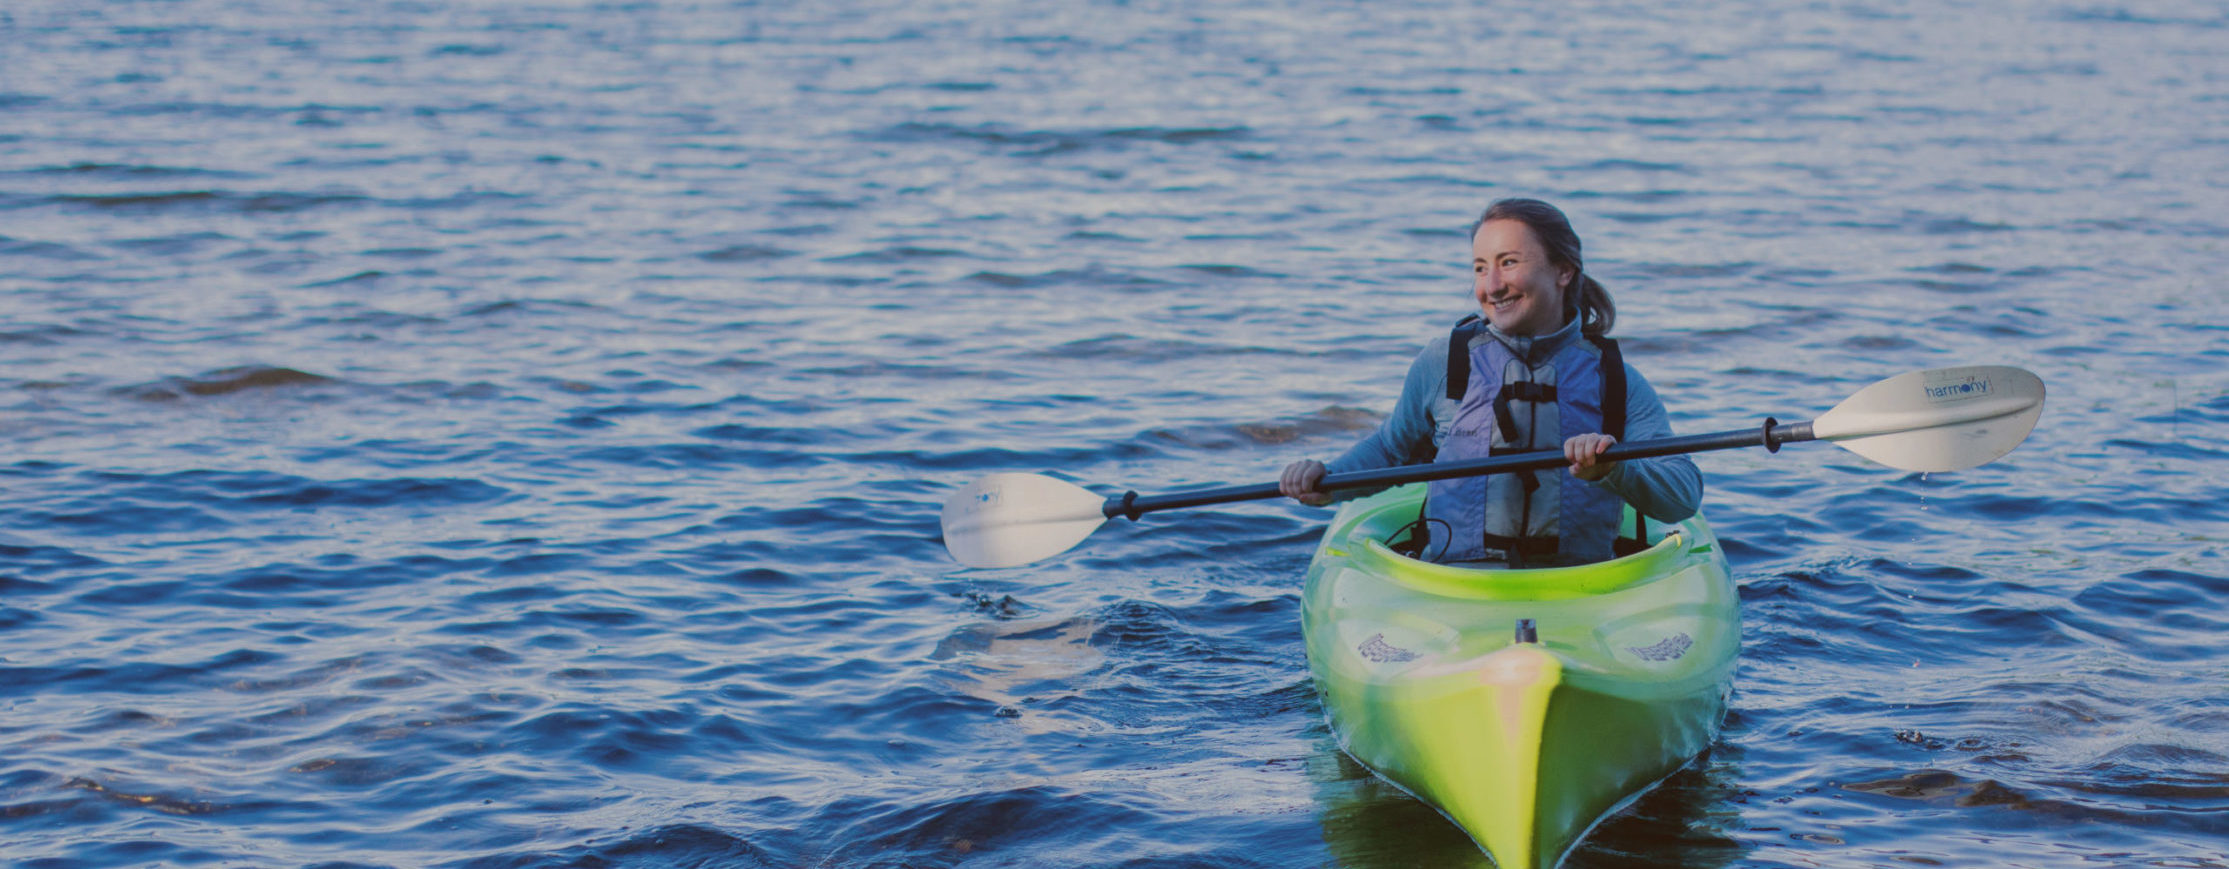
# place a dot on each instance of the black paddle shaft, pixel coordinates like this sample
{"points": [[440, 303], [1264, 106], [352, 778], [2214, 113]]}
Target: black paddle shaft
{"points": [[1770, 436]]}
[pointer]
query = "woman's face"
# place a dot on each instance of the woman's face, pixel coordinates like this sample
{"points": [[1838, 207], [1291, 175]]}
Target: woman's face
{"points": [[1518, 290]]}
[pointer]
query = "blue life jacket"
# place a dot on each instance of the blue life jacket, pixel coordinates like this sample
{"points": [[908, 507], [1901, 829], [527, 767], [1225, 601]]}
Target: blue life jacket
{"points": [[1493, 517]]}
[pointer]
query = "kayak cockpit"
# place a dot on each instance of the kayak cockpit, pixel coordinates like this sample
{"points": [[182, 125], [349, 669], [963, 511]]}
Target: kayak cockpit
{"points": [[1376, 524]]}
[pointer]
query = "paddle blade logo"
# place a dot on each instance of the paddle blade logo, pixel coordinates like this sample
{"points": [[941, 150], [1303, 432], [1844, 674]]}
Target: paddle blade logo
{"points": [[1946, 387]]}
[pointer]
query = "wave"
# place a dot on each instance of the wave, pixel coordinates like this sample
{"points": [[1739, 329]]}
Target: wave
{"points": [[43, 335], [743, 253], [191, 201], [656, 845], [173, 245], [1217, 437], [153, 498], [226, 201], [129, 170], [898, 254], [1046, 142], [51, 250], [1095, 278], [367, 277], [226, 381], [1124, 346]]}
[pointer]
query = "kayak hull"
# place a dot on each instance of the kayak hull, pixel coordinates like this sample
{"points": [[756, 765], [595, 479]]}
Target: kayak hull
{"points": [[1524, 745]]}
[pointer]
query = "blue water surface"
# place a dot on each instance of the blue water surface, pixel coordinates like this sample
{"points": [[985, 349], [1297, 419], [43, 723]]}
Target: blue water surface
{"points": [[512, 434]]}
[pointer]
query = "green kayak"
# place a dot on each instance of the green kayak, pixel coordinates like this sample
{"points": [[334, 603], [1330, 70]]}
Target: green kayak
{"points": [[1524, 736]]}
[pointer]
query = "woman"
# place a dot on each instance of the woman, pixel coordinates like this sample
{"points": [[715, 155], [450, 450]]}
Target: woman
{"points": [[1538, 371]]}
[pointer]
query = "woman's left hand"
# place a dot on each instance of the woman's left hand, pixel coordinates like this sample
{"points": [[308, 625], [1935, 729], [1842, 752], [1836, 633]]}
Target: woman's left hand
{"points": [[1585, 451]]}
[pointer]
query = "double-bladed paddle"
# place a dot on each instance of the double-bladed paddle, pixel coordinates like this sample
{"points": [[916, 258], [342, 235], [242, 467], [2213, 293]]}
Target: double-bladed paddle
{"points": [[1941, 419]]}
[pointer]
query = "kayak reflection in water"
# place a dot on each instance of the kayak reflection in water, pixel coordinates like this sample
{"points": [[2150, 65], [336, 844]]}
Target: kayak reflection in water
{"points": [[1535, 369]]}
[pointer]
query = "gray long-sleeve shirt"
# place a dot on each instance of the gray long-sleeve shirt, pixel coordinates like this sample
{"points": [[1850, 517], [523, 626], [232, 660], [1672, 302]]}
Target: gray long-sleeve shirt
{"points": [[1665, 488]]}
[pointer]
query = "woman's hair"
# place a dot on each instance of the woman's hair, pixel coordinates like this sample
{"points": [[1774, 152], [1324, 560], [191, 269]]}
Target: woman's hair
{"points": [[1583, 297]]}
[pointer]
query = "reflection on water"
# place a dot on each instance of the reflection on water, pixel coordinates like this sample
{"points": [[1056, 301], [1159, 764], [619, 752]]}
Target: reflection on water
{"points": [[1023, 667], [1368, 822], [1685, 821]]}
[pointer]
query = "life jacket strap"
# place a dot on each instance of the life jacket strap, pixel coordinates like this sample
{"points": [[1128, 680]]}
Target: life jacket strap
{"points": [[1459, 356], [1613, 424], [1613, 386]]}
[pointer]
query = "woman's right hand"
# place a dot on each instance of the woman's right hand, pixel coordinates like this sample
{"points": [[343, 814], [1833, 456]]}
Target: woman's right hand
{"points": [[1299, 483]]}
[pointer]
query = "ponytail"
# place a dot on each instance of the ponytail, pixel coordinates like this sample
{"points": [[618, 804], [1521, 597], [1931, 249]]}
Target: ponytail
{"points": [[1597, 314]]}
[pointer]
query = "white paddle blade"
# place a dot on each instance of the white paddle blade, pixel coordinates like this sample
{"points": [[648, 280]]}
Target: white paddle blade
{"points": [[1008, 520], [1941, 419]]}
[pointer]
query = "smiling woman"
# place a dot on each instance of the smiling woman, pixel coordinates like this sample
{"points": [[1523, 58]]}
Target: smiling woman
{"points": [[1538, 372]]}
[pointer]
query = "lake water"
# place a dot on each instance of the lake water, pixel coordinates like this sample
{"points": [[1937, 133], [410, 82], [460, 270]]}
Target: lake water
{"points": [[512, 434]]}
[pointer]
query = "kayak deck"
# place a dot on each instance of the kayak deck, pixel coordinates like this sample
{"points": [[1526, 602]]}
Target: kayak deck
{"points": [[1525, 745]]}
